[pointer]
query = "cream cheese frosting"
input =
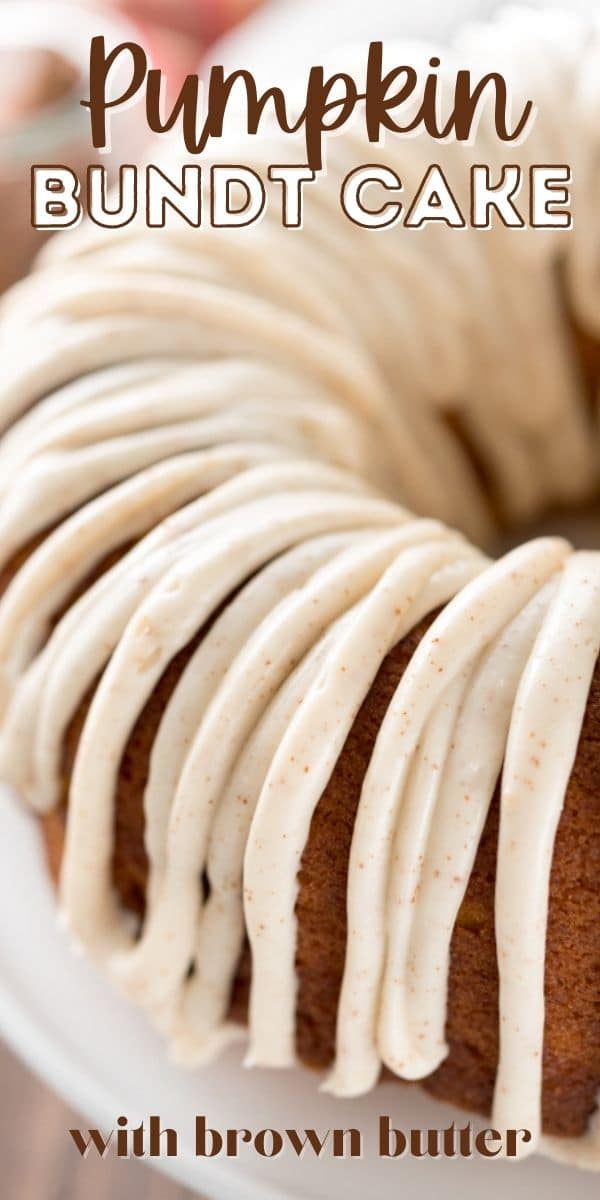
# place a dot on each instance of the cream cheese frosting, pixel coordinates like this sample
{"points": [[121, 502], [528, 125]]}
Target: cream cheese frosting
{"points": [[240, 419]]}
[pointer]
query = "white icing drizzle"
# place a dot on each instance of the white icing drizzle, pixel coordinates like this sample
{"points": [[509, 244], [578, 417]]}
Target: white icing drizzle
{"points": [[231, 445], [541, 747]]}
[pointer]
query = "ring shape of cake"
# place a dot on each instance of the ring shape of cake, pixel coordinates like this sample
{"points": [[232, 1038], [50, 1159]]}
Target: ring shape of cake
{"points": [[306, 762]]}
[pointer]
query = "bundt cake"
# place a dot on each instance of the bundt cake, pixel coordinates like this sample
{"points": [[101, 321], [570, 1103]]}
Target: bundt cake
{"points": [[304, 761]]}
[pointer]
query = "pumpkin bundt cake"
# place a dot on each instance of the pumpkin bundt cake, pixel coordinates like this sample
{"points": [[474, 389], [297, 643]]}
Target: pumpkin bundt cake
{"points": [[305, 761]]}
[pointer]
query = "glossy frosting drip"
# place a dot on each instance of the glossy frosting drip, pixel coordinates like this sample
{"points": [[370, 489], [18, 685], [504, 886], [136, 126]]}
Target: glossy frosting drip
{"points": [[236, 419]]}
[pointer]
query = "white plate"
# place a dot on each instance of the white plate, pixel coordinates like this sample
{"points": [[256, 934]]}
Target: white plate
{"points": [[63, 1018]]}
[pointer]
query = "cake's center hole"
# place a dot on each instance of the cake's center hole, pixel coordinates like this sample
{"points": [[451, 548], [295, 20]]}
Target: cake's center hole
{"points": [[581, 527]]}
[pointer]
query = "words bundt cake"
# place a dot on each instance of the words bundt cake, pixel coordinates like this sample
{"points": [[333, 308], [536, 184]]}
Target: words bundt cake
{"points": [[306, 761]]}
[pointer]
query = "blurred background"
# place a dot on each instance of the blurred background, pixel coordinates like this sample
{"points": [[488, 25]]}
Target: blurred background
{"points": [[44, 49], [42, 1164]]}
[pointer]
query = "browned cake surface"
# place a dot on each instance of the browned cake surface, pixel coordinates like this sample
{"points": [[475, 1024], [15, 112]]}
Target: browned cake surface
{"points": [[572, 1031], [572, 1027], [587, 349]]}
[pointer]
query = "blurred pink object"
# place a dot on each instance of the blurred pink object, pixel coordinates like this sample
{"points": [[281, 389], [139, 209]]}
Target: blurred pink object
{"points": [[206, 19], [177, 32]]}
